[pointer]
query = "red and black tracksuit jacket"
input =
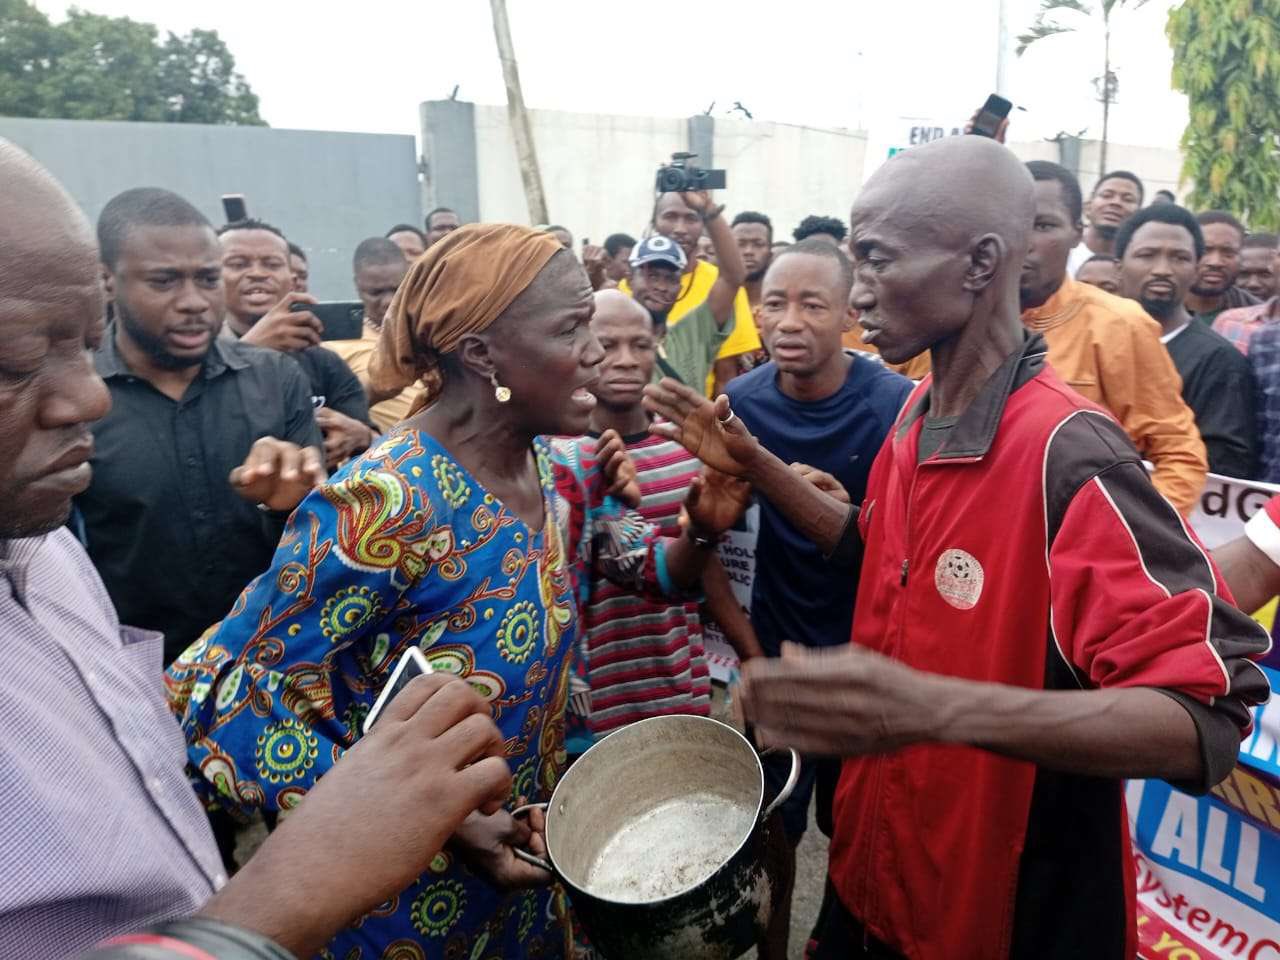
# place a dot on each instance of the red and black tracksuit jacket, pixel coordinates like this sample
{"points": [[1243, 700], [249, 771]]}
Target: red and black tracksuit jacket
{"points": [[1030, 549]]}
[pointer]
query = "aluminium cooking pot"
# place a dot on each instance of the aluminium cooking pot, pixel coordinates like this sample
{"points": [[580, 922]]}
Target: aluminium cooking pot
{"points": [[660, 835]]}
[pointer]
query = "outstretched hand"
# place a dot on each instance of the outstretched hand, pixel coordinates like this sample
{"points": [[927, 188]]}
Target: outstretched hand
{"points": [[843, 702], [278, 474], [715, 501], [619, 471], [709, 431]]}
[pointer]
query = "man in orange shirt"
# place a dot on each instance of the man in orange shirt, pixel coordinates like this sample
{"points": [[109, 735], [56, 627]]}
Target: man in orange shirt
{"points": [[1106, 347]]}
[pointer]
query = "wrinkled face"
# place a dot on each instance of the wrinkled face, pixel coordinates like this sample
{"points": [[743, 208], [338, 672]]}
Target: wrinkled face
{"points": [[543, 350], [753, 244], [1113, 202], [1101, 273], [168, 292], [51, 309], [804, 310], [1159, 267], [673, 218], [1258, 272], [656, 286], [1053, 236], [301, 272], [909, 287], [255, 272], [409, 243], [630, 349], [1220, 265], [441, 224], [376, 283]]}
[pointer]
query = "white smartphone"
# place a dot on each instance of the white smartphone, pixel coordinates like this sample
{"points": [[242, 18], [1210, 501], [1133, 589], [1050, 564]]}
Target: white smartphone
{"points": [[412, 664]]}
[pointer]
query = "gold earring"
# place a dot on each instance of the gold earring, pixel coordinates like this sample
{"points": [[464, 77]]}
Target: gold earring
{"points": [[500, 393]]}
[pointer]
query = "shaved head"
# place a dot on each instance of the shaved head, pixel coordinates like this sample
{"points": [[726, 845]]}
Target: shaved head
{"points": [[51, 310], [954, 190], [40, 225], [616, 305], [939, 235], [626, 333]]}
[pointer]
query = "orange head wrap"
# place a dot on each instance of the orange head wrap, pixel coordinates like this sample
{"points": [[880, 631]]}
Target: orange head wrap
{"points": [[459, 286]]}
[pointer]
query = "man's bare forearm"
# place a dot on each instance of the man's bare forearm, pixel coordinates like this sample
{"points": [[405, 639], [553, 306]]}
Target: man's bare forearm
{"points": [[1250, 574], [818, 516], [1133, 732]]}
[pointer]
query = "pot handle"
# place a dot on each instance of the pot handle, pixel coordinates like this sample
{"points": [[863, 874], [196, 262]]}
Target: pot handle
{"points": [[787, 787], [525, 855]]}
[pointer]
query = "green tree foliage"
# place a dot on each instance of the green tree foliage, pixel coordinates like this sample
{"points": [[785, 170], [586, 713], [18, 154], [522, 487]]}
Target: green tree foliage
{"points": [[1226, 59], [93, 67]]}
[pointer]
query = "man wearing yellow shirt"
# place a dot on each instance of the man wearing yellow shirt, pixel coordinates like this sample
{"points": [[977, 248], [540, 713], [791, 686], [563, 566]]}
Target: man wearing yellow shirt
{"points": [[675, 219], [1106, 347], [379, 266]]}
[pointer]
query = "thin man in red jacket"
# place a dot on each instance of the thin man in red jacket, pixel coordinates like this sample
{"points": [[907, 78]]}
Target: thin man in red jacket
{"points": [[1034, 621]]}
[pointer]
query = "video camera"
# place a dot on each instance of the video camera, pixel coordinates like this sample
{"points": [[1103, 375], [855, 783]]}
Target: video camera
{"points": [[681, 176]]}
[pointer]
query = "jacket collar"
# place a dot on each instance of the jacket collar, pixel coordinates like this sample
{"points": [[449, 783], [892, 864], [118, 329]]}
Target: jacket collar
{"points": [[976, 428], [222, 356]]}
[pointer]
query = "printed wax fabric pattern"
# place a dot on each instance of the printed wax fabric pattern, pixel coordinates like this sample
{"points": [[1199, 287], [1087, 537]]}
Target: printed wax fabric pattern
{"points": [[402, 546]]}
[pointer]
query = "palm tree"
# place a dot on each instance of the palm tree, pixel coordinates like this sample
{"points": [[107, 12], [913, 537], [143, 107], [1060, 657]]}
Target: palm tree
{"points": [[1047, 25]]}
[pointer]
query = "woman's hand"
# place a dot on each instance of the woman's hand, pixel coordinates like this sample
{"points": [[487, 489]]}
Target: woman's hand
{"points": [[485, 843], [715, 502], [619, 471]]}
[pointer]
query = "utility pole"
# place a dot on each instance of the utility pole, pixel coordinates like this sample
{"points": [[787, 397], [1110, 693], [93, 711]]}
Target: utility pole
{"points": [[1002, 48], [518, 117]]}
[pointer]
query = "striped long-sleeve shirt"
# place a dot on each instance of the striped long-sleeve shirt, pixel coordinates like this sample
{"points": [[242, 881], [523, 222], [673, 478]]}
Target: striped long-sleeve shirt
{"points": [[644, 657]]}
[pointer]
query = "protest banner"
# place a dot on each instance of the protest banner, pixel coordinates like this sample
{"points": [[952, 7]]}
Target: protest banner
{"points": [[1208, 867]]}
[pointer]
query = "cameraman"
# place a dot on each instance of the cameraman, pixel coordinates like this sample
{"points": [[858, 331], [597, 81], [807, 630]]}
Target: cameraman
{"points": [[675, 217], [663, 279]]}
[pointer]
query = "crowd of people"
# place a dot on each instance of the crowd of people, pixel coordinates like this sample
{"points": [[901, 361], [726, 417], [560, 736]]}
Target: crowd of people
{"points": [[523, 467]]}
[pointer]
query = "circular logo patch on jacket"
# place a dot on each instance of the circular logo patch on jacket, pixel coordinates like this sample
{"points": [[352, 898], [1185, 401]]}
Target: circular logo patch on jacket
{"points": [[958, 577]]}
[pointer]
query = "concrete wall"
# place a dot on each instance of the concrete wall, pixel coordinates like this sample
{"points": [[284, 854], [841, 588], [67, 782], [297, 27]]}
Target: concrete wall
{"points": [[327, 191], [789, 172], [597, 170]]}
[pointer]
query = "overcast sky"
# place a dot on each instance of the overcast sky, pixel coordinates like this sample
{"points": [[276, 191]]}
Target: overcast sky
{"points": [[365, 66]]}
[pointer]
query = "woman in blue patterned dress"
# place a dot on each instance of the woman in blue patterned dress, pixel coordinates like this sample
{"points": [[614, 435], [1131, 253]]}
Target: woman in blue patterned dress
{"points": [[448, 534]]}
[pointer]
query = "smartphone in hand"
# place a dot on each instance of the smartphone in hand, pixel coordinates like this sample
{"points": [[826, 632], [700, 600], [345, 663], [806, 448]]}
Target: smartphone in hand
{"points": [[993, 113], [412, 664]]}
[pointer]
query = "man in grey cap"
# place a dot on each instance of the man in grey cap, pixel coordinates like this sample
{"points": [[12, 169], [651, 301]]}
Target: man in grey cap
{"points": [[688, 349]]}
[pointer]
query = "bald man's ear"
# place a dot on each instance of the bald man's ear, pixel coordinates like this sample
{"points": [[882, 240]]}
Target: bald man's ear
{"points": [[985, 259]]}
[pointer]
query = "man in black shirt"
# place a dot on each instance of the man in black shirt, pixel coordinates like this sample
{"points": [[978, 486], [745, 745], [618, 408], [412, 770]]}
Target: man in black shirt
{"points": [[1215, 288], [1159, 248], [198, 463], [259, 308]]}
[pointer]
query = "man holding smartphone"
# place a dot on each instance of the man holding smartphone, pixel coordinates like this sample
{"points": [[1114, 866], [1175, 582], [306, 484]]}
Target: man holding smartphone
{"points": [[260, 302]]}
